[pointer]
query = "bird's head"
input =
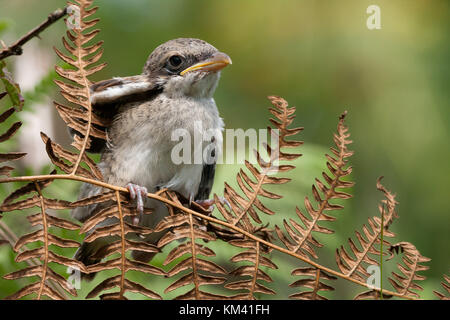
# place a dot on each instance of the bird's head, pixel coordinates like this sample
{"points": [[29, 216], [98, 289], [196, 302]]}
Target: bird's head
{"points": [[186, 67]]}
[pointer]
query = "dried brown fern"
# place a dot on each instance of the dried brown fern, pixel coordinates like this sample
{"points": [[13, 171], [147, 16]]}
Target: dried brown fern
{"points": [[202, 271], [355, 266], [51, 284], [76, 90], [301, 235], [446, 286], [302, 240], [255, 254], [111, 214], [42, 253], [64, 159], [12, 90], [242, 208], [404, 281]]}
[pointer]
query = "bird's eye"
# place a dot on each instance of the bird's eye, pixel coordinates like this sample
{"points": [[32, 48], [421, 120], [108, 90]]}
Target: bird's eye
{"points": [[175, 61]]}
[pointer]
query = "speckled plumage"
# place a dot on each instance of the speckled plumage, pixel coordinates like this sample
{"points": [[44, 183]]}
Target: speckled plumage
{"points": [[146, 109]]}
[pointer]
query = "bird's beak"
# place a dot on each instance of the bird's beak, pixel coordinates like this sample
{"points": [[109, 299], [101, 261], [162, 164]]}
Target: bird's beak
{"points": [[217, 62]]}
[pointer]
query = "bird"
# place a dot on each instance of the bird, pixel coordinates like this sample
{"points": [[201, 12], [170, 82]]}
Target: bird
{"points": [[175, 91]]}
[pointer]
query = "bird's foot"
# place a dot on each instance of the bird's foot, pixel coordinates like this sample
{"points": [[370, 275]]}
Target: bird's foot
{"points": [[139, 193], [208, 204]]}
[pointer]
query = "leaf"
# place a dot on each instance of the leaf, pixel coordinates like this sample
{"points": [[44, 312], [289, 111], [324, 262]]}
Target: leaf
{"points": [[404, 280], [11, 87], [301, 238], [366, 251]]}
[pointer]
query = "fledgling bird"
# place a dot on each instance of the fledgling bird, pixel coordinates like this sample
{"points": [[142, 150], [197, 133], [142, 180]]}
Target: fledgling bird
{"points": [[174, 92]]}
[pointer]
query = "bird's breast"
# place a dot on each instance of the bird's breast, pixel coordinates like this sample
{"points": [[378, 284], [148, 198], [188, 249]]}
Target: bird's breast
{"points": [[144, 138]]}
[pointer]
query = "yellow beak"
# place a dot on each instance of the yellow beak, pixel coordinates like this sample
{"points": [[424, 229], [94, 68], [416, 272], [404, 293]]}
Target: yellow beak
{"points": [[217, 62]]}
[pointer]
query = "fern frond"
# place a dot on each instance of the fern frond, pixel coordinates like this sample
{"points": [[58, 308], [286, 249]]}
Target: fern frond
{"points": [[301, 238], [446, 286], [255, 254], [82, 58], [244, 207], [63, 159], [301, 235], [404, 281], [202, 271], [112, 214], [355, 266], [42, 253]]}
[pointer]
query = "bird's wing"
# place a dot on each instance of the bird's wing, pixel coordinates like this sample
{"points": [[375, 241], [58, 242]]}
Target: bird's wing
{"points": [[108, 95], [206, 182], [208, 171], [123, 90]]}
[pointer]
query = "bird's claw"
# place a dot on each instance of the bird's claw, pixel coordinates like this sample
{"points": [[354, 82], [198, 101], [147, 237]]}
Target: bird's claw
{"points": [[139, 193], [225, 202], [207, 204]]}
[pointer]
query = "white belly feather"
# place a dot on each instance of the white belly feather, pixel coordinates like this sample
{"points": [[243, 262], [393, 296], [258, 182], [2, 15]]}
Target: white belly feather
{"points": [[145, 156]]}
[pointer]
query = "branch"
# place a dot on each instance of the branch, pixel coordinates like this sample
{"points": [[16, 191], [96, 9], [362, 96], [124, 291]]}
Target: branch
{"points": [[202, 216], [16, 48]]}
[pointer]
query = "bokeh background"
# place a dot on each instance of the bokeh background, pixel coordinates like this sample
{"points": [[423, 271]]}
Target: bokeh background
{"points": [[321, 57]]}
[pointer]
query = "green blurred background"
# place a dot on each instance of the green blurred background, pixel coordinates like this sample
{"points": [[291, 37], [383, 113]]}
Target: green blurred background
{"points": [[321, 57]]}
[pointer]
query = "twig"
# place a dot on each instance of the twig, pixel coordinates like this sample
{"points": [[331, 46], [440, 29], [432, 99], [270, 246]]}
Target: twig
{"points": [[16, 48], [202, 216]]}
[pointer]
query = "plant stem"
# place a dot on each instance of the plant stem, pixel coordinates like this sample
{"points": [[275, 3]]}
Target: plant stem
{"points": [[16, 48]]}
